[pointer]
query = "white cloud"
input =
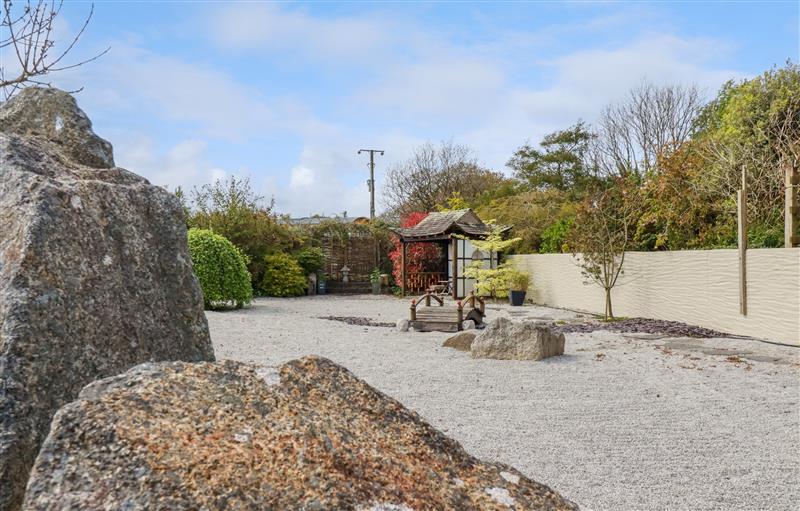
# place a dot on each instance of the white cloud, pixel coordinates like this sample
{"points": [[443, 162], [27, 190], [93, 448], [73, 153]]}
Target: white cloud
{"points": [[261, 26], [325, 181], [583, 82], [447, 85], [184, 164], [302, 177]]}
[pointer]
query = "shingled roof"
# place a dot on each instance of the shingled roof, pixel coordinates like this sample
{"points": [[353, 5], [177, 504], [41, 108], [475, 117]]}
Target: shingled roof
{"points": [[442, 224]]}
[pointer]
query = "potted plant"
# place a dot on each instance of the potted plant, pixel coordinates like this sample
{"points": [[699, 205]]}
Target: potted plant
{"points": [[517, 286], [375, 279]]}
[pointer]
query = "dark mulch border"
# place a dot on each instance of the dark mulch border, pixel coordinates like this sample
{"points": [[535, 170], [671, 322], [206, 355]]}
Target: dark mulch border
{"points": [[644, 326], [356, 321], [626, 326]]}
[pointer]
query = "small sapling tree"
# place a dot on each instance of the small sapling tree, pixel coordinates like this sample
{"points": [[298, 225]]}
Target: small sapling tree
{"points": [[603, 228]]}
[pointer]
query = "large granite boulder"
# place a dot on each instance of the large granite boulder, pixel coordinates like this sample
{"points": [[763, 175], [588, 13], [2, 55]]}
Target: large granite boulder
{"points": [[305, 435], [53, 116], [95, 275], [507, 340]]}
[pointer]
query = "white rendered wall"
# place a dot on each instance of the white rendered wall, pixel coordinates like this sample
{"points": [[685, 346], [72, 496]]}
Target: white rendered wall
{"points": [[698, 287]]}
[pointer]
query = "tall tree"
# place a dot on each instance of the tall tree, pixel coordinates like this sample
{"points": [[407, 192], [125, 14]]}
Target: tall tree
{"points": [[432, 174], [753, 125], [559, 164], [633, 133]]}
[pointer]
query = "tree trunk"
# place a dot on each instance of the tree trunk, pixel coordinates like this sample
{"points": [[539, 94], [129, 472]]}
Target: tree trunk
{"points": [[609, 312]]}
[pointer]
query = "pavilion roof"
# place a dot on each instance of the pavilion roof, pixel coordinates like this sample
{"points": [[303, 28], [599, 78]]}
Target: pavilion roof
{"points": [[441, 224]]}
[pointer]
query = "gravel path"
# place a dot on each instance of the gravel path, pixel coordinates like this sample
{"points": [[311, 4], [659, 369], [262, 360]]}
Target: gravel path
{"points": [[621, 421]]}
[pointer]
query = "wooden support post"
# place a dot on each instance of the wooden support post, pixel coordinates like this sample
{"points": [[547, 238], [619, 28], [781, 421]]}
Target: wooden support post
{"points": [[403, 267], [791, 224], [460, 313], [741, 197], [427, 299], [413, 310], [454, 241]]}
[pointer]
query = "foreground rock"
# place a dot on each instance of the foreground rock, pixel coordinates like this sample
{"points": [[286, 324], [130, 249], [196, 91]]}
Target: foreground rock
{"points": [[462, 341], [306, 435], [506, 340], [95, 275]]}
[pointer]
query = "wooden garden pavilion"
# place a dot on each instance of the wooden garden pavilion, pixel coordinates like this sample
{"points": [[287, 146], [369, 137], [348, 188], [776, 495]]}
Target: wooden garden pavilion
{"points": [[452, 231]]}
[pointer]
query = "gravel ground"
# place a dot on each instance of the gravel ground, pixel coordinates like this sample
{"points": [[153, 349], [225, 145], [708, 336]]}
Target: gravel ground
{"points": [[621, 421]]}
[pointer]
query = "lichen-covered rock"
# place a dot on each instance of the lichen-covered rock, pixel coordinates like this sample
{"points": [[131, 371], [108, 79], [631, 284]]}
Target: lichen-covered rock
{"points": [[462, 341], [528, 340], [95, 275], [306, 435]]}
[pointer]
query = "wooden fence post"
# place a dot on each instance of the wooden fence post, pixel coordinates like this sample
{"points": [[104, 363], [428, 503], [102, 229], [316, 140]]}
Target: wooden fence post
{"points": [[791, 225], [741, 222]]}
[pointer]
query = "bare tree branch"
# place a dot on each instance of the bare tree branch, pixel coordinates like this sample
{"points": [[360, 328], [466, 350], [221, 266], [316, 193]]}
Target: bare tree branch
{"points": [[30, 34], [632, 134], [431, 175]]}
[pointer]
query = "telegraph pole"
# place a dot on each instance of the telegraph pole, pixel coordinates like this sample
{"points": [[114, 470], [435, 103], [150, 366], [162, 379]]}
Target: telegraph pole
{"points": [[371, 181]]}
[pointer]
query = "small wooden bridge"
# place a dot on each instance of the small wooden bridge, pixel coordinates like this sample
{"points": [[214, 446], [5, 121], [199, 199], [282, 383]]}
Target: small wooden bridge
{"points": [[443, 318]]}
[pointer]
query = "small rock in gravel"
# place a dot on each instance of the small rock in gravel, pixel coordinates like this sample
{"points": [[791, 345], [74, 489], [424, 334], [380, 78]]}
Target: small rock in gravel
{"points": [[402, 325], [462, 341]]}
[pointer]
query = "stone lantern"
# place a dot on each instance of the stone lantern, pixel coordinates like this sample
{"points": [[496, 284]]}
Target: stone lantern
{"points": [[345, 273]]}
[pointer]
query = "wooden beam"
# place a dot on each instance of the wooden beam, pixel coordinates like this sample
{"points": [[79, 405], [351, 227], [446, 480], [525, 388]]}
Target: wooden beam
{"points": [[741, 197], [454, 241], [404, 272]]}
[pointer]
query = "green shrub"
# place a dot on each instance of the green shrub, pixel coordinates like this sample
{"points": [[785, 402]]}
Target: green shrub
{"points": [[555, 236], [310, 259], [221, 269], [233, 209], [283, 276]]}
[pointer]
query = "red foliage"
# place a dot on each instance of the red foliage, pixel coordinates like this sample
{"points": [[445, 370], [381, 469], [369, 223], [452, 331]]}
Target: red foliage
{"points": [[421, 257]]}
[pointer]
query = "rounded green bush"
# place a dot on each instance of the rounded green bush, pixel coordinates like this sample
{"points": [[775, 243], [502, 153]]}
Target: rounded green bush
{"points": [[221, 269], [283, 276]]}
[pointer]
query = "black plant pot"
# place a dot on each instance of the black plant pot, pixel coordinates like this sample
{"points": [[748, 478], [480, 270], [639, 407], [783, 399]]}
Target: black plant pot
{"points": [[516, 298]]}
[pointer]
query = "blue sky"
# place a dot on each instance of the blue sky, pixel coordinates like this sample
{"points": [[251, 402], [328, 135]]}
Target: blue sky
{"points": [[286, 93]]}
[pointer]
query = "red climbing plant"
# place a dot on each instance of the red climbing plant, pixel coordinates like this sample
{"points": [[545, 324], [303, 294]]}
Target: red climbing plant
{"points": [[422, 257]]}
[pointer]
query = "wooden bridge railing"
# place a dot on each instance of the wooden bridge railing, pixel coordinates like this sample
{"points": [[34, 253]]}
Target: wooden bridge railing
{"points": [[472, 298], [427, 297], [470, 301]]}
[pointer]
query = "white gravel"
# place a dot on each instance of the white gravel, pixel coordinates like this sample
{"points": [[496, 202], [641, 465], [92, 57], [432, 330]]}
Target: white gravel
{"points": [[618, 422]]}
